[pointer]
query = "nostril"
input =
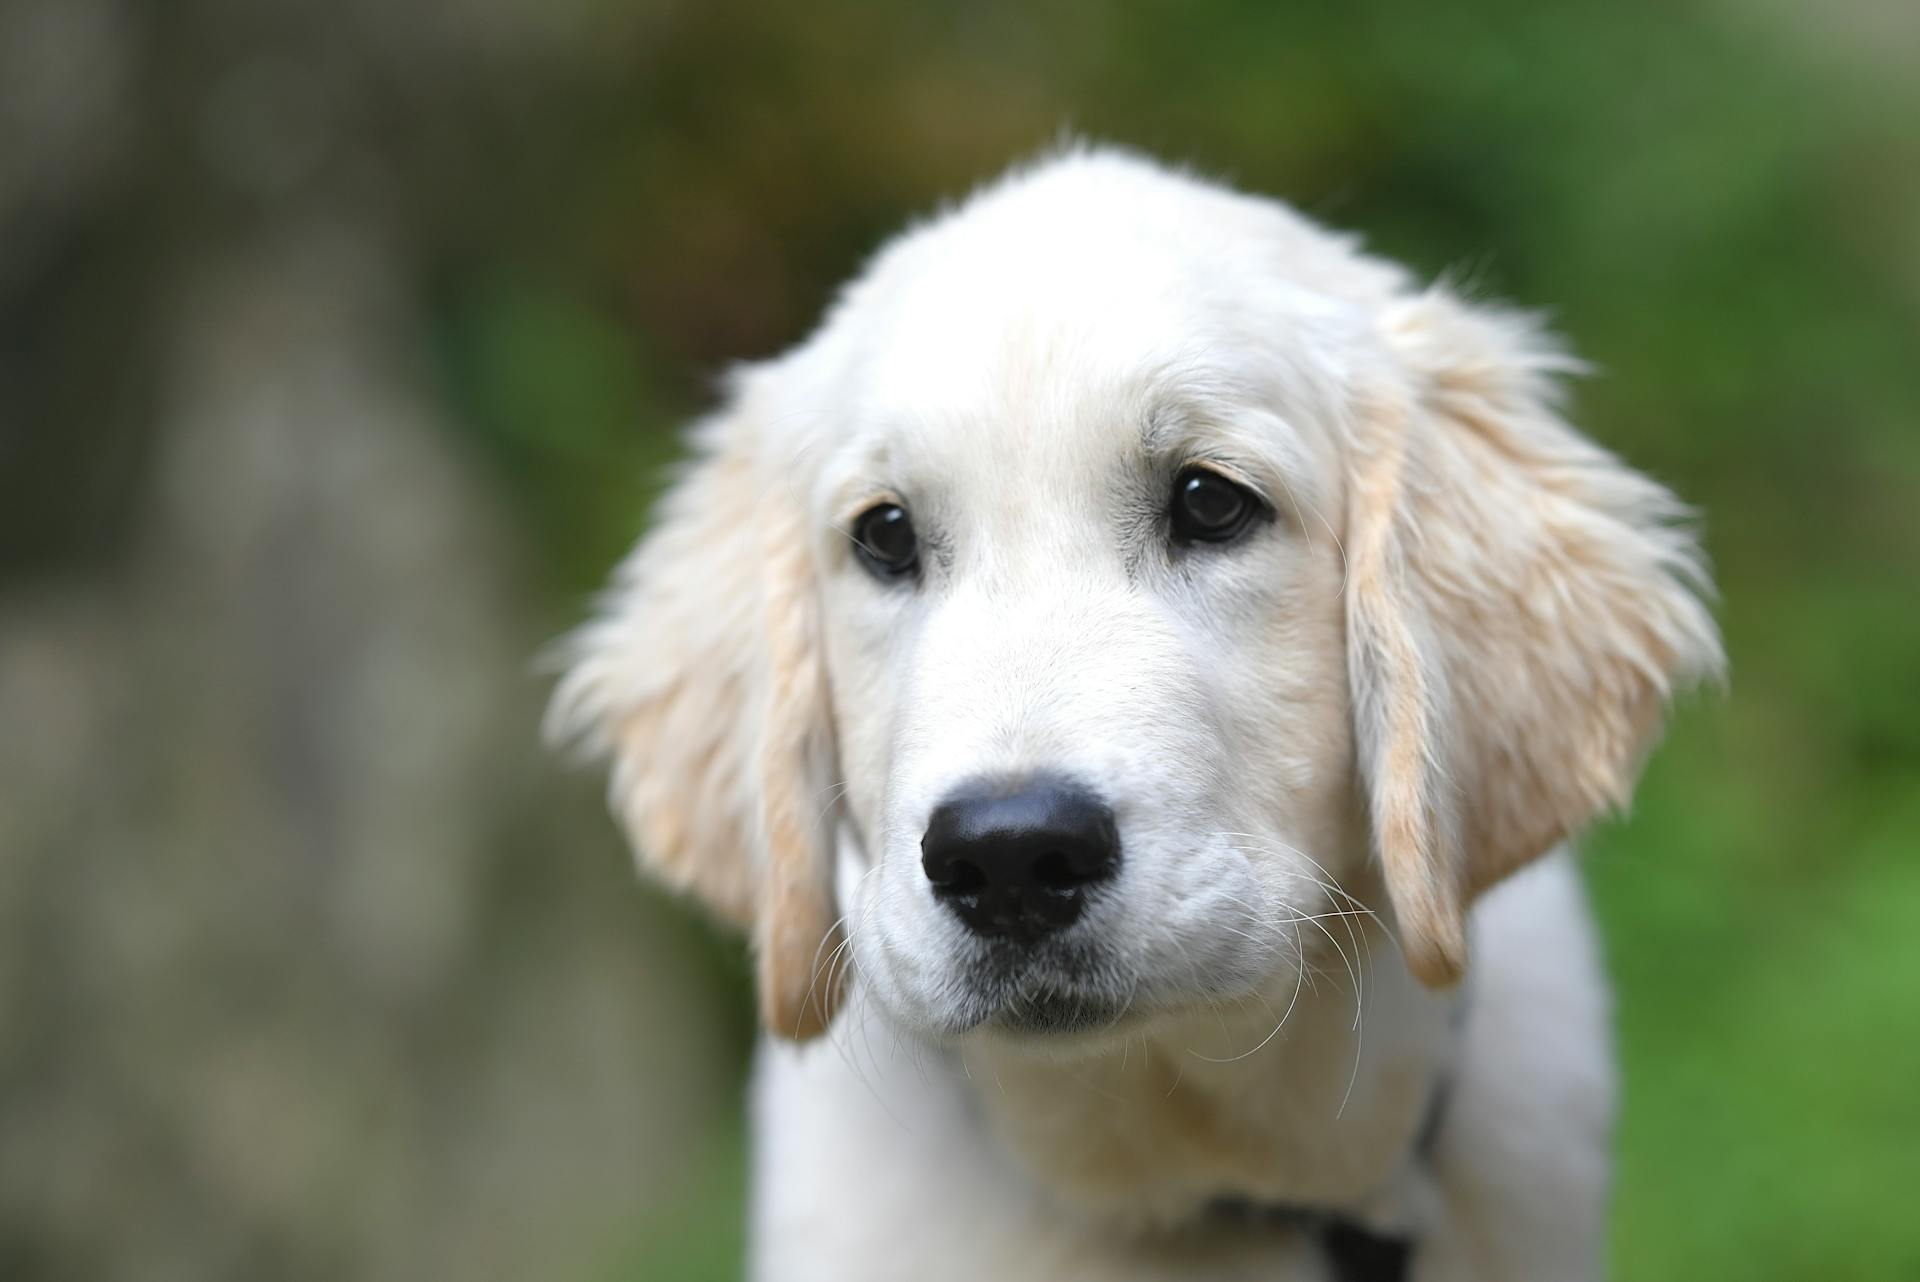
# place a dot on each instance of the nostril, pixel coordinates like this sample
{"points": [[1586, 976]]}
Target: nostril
{"points": [[959, 877], [1056, 871]]}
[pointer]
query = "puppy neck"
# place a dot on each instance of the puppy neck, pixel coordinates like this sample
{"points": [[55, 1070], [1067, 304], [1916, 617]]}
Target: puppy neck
{"points": [[1321, 1108]]}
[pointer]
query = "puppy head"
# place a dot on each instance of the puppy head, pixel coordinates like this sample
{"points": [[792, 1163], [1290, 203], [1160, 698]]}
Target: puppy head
{"points": [[1124, 566]]}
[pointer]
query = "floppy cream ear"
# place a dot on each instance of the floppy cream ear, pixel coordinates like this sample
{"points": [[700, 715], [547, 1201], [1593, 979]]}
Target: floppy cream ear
{"points": [[1520, 606], [701, 680]]}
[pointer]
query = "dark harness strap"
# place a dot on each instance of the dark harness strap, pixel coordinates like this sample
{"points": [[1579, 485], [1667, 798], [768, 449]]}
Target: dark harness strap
{"points": [[1357, 1252], [1361, 1255]]}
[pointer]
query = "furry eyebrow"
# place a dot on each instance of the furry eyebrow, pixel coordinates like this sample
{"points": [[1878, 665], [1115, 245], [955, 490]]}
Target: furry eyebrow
{"points": [[1256, 447], [856, 497], [856, 484]]}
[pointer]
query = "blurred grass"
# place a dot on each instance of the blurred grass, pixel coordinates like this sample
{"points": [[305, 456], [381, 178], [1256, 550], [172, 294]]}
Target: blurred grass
{"points": [[1765, 973], [1722, 213]]}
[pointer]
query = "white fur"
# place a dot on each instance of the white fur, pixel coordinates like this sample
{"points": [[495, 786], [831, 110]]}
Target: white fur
{"points": [[1447, 650]]}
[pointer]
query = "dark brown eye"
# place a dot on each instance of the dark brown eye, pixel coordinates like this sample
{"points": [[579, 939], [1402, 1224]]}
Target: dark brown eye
{"points": [[884, 540], [1208, 508]]}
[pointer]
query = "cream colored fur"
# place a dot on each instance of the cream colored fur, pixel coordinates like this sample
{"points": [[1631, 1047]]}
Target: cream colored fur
{"points": [[1447, 652]]}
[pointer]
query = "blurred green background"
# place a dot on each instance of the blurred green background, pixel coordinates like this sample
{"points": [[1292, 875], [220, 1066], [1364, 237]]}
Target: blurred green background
{"points": [[341, 346]]}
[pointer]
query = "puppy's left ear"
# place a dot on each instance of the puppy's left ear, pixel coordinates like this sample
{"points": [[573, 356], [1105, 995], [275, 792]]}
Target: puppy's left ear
{"points": [[702, 680], [1520, 607]]}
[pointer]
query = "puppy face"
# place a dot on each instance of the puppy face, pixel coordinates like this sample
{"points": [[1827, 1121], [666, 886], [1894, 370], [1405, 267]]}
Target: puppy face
{"points": [[1125, 564], [1122, 584]]}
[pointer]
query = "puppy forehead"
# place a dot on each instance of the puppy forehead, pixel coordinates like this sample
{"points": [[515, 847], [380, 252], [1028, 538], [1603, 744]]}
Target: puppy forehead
{"points": [[1058, 323], [1072, 400]]}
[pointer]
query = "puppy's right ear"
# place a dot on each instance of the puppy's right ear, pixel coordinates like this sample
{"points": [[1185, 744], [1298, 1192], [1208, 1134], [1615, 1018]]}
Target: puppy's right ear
{"points": [[700, 679]]}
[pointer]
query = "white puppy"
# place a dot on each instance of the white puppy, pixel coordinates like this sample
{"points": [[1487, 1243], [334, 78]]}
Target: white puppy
{"points": [[1120, 664]]}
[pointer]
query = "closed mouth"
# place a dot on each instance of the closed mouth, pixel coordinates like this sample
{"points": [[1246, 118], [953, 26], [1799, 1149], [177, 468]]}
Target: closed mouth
{"points": [[1053, 1012], [1053, 989]]}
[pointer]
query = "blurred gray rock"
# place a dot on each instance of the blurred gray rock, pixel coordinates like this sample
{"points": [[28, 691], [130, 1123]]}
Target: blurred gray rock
{"points": [[311, 965]]}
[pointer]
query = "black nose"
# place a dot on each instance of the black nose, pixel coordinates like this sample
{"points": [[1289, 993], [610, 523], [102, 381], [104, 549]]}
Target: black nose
{"points": [[1018, 862]]}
